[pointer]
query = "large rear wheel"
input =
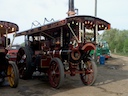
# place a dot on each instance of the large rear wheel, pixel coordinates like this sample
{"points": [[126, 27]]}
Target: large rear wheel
{"points": [[24, 62], [56, 73], [13, 74], [89, 75]]}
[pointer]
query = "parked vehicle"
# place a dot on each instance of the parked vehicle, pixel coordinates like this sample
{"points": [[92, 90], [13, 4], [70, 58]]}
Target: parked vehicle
{"points": [[102, 49], [7, 68], [12, 52], [60, 48]]}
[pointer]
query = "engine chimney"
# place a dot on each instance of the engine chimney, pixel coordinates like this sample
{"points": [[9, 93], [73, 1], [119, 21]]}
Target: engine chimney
{"points": [[71, 10]]}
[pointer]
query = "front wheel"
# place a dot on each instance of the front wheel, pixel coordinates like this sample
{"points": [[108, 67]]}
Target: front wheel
{"points": [[13, 74], [89, 69], [56, 73]]}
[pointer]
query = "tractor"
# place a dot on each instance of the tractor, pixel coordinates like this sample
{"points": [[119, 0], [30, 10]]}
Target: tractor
{"points": [[60, 48], [8, 68]]}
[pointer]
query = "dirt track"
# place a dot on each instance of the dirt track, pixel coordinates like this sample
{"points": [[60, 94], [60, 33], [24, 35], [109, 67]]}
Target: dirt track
{"points": [[112, 80]]}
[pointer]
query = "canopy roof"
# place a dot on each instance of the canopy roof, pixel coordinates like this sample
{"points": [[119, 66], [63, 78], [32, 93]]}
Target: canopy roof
{"points": [[9, 27], [88, 21]]}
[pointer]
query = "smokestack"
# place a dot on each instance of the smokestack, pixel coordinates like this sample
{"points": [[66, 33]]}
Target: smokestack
{"points": [[71, 10], [71, 5]]}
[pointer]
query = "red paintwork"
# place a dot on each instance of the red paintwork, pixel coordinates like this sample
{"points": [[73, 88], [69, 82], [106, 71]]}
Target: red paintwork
{"points": [[45, 60], [88, 46], [12, 54]]}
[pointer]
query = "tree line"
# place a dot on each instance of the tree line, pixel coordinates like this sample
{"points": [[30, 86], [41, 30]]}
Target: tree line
{"points": [[117, 40]]}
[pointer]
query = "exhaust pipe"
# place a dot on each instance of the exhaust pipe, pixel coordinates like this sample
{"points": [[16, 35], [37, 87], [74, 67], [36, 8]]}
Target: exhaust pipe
{"points": [[71, 10]]}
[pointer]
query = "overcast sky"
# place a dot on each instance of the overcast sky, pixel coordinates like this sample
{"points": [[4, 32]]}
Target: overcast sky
{"points": [[24, 12]]}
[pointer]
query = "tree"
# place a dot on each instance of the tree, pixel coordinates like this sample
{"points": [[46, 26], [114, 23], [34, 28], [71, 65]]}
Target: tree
{"points": [[117, 40], [111, 36]]}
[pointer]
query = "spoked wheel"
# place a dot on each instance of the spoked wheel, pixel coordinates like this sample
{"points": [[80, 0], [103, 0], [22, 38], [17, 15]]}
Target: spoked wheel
{"points": [[13, 74], [89, 75], [23, 61], [56, 73]]}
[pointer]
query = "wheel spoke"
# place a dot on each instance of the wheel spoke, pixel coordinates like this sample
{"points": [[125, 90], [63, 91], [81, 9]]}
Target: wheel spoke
{"points": [[90, 78], [55, 80], [56, 67]]}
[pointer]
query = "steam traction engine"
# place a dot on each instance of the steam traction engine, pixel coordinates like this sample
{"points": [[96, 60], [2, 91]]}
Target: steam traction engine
{"points": [[8, 68], [60, 48]]}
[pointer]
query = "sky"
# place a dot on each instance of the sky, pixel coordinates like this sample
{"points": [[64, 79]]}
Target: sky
{"points": [[25, 12]]}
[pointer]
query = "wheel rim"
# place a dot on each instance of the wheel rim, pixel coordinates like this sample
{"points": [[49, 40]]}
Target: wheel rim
{"points": [[54, 74], [88, 77], [11, 75]]}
